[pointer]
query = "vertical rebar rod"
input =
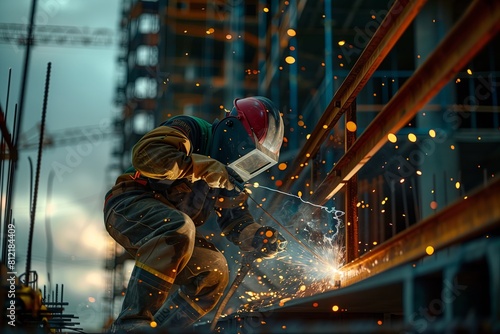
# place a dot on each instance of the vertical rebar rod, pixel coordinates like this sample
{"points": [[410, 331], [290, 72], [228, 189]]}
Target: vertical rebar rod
{"points": [[37, 175], [7, 97], [6, 139], [8, 192], [17, 123], [27, 55], [48, 230]]}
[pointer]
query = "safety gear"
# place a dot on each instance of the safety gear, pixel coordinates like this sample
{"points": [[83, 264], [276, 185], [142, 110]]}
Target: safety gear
{"points": [[154, 208], [174, 159], [249, 138], [267, 242], [233, 176], [211, 171]]}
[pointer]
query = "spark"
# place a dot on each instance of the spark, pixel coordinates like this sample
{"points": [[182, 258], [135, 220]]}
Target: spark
{"points": [[299, 270], [429, 250]]}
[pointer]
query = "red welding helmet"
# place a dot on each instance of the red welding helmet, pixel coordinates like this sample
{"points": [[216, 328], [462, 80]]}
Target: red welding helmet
{"points": [[249, 138], [262, 121]]}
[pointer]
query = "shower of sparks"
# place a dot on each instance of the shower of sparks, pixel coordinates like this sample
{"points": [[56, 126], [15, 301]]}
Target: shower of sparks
{"points": [[296, 272]]}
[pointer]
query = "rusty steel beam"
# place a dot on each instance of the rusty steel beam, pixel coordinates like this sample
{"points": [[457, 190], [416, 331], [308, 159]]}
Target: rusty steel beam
{"points": [[351, 196], [398, 18], [459, 46], [465, 220]]}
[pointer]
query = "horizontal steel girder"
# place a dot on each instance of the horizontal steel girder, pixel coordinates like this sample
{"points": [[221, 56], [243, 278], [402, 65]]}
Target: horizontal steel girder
{"points": [[459, 46], [399, 17], [464, 220]]}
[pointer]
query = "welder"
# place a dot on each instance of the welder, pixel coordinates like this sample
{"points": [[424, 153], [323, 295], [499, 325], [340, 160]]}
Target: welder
{"points": [[182, 172]]}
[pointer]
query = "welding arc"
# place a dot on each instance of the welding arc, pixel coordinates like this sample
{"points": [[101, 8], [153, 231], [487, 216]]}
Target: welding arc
{"points": [[307, 248]]}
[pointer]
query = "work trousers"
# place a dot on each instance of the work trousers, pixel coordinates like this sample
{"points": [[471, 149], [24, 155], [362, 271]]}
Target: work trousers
{"points": [[168, 252]]}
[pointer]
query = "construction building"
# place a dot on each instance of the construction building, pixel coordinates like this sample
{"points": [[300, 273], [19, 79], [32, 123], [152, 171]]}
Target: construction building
{"points": [[392, 117]]}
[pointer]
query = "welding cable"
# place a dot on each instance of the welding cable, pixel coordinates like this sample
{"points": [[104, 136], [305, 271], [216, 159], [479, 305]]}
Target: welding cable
{"points": [[307, 248]]}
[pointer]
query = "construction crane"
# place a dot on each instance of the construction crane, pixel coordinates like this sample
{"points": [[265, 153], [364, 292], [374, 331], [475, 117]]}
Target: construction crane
{"points": [[52, 35], [93, 134]]}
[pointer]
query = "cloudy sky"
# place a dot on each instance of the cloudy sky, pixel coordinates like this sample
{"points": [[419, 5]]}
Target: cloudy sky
{"points": [[82, 85]]}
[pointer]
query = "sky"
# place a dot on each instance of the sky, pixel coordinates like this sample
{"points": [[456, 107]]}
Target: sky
{"points": [[81, 93]]}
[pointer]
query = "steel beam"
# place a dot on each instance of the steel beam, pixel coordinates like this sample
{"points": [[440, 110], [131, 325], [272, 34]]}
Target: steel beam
{"points": [[398, 18], [459, 46], [403, 260], [465, 220]]}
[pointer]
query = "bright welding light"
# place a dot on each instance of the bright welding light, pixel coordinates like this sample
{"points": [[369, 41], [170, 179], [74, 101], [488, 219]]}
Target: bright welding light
{"points": [[332, 270], [312, 269]]}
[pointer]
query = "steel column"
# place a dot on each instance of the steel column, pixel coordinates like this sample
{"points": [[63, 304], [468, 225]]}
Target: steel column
{"points": [[351, 196]]}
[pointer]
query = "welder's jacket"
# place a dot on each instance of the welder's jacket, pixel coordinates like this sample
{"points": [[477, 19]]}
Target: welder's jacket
{"points": [[162, 163]]}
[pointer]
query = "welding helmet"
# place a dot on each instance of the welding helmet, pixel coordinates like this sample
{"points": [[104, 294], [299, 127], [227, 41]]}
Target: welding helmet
{"points": [[249, 138]]}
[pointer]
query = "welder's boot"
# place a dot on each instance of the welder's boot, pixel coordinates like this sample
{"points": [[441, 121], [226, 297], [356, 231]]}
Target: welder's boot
{"points": [[145, 294], [178, 314]]}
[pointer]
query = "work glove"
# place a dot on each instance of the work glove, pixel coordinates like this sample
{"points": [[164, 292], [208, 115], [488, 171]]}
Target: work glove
{"points": [[213, 172], [235, 179], [267, 242]]}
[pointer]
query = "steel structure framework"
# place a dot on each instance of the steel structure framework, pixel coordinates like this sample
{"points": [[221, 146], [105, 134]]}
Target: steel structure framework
{"points": [[304, 89]]}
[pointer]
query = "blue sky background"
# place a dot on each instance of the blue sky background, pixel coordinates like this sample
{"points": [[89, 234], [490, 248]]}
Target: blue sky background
{"points": [[82, 85]]}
